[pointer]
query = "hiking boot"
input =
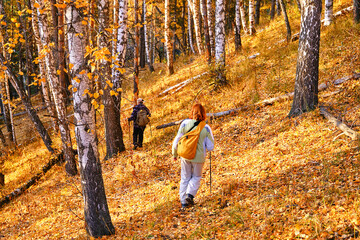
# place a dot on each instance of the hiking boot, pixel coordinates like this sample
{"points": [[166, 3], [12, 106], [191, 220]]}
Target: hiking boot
{"points": [[184, 205], [189, 199], [135, 147]]}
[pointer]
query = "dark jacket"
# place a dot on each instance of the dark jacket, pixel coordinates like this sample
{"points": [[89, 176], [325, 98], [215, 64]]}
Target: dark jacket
{"points": [[136, 109]]}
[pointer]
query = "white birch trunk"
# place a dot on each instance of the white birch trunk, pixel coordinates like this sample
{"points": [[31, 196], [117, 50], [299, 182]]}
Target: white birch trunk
{"points": [[146, 36], [220, 41], [211, 19], [237, 26], [190, 32], [168, 43], [328, 12], [43, 75], [243, 16], [97, 218], [194, 7], [58, 95], [251, 17]]}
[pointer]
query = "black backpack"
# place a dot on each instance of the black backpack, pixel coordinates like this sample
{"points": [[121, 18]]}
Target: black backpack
{"points": [[142, 118]]}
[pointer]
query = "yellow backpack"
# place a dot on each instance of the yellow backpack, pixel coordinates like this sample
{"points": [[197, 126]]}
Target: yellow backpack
{"points": [[187, 144]]}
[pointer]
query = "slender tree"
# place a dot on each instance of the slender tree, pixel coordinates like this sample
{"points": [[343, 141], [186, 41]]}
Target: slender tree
{"points": [[136, 51], [190, 31], [237, 26], [220, 43], [146, 36], [6, 108], [287, 23], [206, 30], [169, 46], [97, 218], [243, 16], [328, 12], [211, 22], [56, 87], [194, 7], [257, 12], [307, 69], [113, 131], [251, 17], [357, 11], [19, 87]]}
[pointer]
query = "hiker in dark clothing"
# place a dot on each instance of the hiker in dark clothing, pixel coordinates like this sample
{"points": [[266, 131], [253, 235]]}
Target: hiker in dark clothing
{"points": [[138, 133]]}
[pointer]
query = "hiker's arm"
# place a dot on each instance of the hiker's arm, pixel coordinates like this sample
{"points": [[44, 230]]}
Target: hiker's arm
{"points": [[133, 115], [209, 140]]}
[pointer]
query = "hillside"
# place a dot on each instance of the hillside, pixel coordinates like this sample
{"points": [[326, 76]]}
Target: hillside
{"points": [[272, 177]]}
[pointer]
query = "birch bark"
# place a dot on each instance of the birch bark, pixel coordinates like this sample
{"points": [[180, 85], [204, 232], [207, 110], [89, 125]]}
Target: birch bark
{"points": [[97, 218], [220, 42], [307, 69], [168, 43], [59, 99]]}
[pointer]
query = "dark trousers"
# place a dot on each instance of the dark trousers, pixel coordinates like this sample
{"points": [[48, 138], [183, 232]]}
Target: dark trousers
{"points": [[138, 136]]}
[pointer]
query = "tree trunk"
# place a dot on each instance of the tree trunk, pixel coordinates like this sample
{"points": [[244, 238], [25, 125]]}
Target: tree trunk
{"points": [[97, 217], [11, 115], [146, 37], [194, 7], [328, 12], [113, 131], [169, 46], [43, 75], [58, 95], [272, 10], [63, 77], [136, 52], [183, 28], [3, 140], [307, 69], [190, 31], [278, 7], [357, 11], [243, 16], [251, 17], [288, 29], [220, 43], [237, 26], [206, 31], [19, 87], [6, 109], [211, 21], [257, 12]]}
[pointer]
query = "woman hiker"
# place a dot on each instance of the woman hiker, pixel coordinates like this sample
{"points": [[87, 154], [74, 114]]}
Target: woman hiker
{"points": [[191, 169]]}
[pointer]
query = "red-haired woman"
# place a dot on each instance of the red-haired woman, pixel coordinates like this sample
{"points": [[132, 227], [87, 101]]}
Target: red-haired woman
{"points": [[191, 169]]}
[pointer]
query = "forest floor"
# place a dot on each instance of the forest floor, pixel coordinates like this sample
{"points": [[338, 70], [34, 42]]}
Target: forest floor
{"points": [[273, 177]]}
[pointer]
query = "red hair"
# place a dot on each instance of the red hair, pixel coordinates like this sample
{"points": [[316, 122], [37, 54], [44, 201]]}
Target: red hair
{"points": [[198, 112]]}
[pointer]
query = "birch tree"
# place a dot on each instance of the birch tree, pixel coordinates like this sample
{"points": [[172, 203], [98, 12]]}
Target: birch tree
{"points": [[190, 32], [97, 218], [113, 131], [307, 69], [206, 30], [243, 16], [146, 36], [220, 43], [168, 44], [211, 21], [194, 7], [251, 17], [328, 12], [237, 26], [136, 51], [56, 88], [7, 111]]}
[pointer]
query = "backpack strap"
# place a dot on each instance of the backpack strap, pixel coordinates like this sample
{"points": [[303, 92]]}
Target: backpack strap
{"points": [[195, 124]]}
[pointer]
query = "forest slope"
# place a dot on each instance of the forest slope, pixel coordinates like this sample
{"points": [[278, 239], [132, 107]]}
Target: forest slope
{"points": [[272, 177]]}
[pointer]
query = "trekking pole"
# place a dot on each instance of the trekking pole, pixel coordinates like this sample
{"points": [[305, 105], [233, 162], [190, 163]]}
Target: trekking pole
{"points": [[210, 172]]}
